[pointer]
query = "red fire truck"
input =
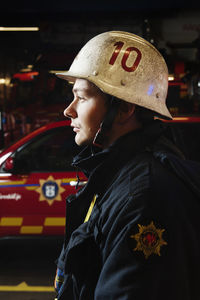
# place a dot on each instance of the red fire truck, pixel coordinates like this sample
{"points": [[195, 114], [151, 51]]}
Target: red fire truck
{"points": [[35, 178]]}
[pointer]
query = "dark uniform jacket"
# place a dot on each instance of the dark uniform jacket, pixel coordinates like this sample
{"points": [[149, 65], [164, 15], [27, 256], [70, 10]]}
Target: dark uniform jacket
{"points": [[142, 239]]}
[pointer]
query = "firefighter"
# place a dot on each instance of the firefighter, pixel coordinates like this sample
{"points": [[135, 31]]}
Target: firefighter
{"points": [[132, 232]]}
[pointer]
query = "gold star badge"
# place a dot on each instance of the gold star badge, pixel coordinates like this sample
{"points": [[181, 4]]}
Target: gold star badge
{"points": [[50, 190], [149, 239]]}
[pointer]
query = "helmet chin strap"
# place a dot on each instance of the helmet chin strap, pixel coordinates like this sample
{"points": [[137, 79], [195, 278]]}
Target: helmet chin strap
{"points": [[107, 123]]}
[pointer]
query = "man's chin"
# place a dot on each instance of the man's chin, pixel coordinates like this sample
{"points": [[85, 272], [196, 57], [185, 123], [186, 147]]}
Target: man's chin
{"points": [[82, 142]]}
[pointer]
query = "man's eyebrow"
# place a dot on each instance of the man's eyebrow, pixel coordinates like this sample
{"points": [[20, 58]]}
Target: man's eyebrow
{"points": [[79, 90]]}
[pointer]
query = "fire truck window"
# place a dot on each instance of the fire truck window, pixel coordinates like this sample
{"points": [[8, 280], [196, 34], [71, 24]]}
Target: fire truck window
{"points": [[52, 151]]}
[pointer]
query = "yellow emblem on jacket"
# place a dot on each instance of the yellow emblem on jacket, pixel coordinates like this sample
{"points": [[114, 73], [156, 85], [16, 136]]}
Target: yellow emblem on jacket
{"points": [[149, 239]]}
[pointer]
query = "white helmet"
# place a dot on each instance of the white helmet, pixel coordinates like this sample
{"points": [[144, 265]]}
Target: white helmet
{"points": [[126, 66]]}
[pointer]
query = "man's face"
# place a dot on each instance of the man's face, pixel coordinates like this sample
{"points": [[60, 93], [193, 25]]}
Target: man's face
{"points": [[86, 111]]}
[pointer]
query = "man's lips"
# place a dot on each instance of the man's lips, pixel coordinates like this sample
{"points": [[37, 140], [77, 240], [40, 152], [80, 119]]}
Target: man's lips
{"points": [[75, 128]]}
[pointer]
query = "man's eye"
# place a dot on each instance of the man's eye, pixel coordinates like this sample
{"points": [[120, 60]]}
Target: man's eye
{"points": [[81, 98]]}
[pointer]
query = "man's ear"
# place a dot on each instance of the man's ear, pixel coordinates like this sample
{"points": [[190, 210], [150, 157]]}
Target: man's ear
{"points": [[126, 111]]}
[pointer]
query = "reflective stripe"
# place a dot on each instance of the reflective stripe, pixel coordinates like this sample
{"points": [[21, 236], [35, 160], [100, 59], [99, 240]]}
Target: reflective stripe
{"points": [[23, 287], [90, 209], [67, 180], [13, 185], [31, 188], [10, 221], [54, 221], [31, 229], [10, 183]]}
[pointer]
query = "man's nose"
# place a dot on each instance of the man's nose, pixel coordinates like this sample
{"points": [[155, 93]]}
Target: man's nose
{"points": [[70, 111]]}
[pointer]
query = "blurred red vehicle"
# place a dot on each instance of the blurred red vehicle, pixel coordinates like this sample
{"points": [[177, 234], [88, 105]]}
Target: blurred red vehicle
{"points": [[35, 179]]}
